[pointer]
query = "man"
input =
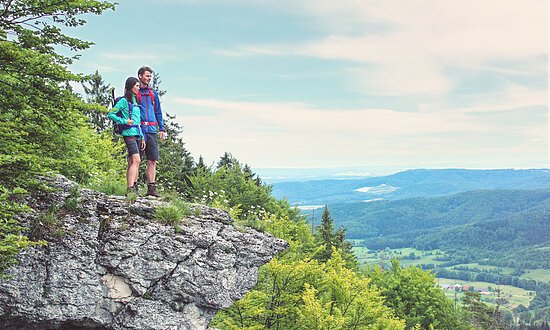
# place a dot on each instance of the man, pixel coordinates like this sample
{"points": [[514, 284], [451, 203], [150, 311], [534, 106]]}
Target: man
{"points": [[151, 117]]}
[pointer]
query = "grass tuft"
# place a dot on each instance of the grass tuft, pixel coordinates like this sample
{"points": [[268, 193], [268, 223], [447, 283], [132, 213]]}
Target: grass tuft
{"points": [[173, 213]]}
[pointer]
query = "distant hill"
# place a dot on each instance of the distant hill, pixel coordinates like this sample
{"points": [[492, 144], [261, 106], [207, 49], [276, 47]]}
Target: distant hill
{"points": [[393, 217], [411, 183], [494, 224], [498, 215]]}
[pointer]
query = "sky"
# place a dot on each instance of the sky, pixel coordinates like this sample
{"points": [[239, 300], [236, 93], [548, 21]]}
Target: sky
{"points": [[323, 83]]}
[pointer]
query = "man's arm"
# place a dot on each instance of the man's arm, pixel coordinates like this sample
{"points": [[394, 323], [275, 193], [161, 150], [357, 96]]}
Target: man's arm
{"points": [[158, 116]]}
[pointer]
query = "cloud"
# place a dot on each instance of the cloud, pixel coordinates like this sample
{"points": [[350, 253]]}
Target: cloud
{"points": [[404, 48], [510, 98], [300, 117], [298, 134]]}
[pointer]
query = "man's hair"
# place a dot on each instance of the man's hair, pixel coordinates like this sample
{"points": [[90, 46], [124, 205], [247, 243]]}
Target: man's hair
{"points": [[143, 69]]}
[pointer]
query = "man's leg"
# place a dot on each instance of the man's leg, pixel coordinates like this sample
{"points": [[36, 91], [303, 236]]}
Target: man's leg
{"points": [[151, 171], [152, 152]]}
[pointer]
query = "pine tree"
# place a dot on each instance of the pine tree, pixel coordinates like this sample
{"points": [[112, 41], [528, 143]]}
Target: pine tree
{"points": [[200, 164], [326, 235], [98, 93], [177, 164], [226, 160], [480, 314], [329, 239], [155, 84]]}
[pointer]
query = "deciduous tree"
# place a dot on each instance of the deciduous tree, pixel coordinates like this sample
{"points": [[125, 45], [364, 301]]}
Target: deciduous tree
{"points": [[42, 121]]}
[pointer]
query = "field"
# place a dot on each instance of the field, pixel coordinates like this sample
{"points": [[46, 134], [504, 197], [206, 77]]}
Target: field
{"points": [[542, 275], [514, 296], [408, 256], [412, 257]]}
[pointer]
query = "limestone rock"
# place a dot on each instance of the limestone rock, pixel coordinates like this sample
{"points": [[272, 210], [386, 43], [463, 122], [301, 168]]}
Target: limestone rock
{"points": [[109, 265]]}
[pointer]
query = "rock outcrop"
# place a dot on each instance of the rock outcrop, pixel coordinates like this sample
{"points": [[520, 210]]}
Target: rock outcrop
{"points": [[109, 265]]}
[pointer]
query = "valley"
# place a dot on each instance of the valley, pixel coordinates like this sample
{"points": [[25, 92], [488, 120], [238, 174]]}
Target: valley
{"points": [[477, 229]]}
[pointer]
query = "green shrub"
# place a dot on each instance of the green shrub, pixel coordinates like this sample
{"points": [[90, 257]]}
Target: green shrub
{"points": [[11, 240], [73, 202], [110, 184], [131, 197], [47, 223], [173, 212]]}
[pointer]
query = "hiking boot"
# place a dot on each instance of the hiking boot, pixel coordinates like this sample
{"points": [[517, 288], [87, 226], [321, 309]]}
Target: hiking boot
{"points": [[136, 189], [152, 190]]}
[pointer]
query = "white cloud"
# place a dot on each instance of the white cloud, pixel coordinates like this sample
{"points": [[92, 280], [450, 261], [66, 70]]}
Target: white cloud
{"points": [[296, 134], [407, 44], [401, 78], [510, 98], [299, 117]]}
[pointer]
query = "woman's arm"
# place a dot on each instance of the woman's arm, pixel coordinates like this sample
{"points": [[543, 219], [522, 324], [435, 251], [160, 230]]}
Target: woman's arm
{"points": [[121, 105]]}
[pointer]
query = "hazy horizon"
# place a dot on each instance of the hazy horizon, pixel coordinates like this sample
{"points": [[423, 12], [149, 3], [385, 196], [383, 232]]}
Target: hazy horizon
{"points": [[277, 175]]}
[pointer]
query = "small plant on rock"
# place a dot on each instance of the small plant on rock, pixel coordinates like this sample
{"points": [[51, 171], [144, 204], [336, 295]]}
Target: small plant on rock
{"points": [[74, 201], [47, 223], [173, 212]]}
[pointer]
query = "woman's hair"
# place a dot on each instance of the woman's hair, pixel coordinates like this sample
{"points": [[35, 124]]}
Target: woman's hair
{"points": [[130, 82]]}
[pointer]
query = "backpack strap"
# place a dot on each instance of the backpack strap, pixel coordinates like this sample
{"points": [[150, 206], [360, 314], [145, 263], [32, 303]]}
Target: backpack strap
{"points": [[148, 92], [113, 96], [130, 108], [152, 95]]}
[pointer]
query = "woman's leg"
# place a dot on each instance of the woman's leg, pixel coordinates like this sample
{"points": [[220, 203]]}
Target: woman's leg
{"points": [[132, 143], [132, 170]]}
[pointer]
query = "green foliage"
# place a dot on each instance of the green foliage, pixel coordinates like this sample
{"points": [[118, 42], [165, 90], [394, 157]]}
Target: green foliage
{"points": [[236, 188], [11, 238], [155, 84], [330, 240], [131, 196], [44, 128], [47, 224], [73, 202], [110, 183], [413, 295], [98, 93], [177, 165], [326, 235], [44, 122], [173, 213], [308, 286], [36, 25], [503, 228], [306, 294], [480, 315]]}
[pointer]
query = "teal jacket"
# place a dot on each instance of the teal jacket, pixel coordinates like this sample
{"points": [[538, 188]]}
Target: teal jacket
{"points": [[122, 105]]}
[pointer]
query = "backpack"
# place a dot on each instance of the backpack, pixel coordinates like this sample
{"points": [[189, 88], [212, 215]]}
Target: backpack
{"points": [[118, 128], [148, 92]]}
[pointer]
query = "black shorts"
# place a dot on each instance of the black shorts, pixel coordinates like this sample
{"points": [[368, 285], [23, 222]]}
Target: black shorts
{"points": [[133, 143], [151, 147]]}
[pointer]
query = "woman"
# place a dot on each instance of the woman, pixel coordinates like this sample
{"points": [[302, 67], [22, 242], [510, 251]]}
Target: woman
{"points": [[132, 133]]}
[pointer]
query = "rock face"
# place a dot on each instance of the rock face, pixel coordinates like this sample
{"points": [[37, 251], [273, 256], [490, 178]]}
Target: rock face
{"points": [[112, 266]]}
